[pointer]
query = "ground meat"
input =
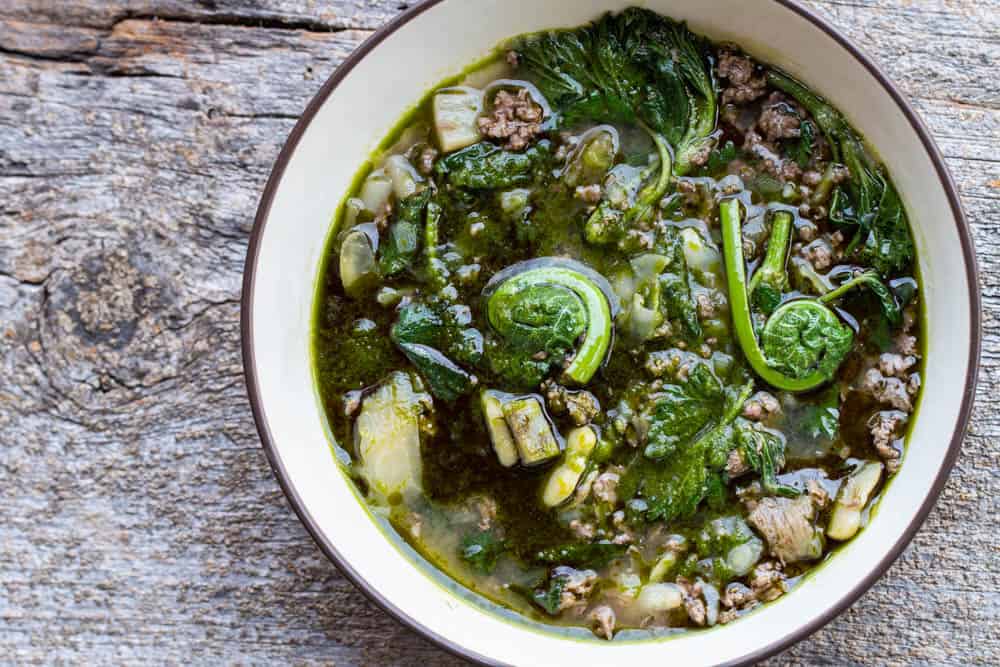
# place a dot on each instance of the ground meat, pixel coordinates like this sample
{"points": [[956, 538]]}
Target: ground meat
{"points": [[906, 344], [605, 488], [812, 178], [602, 621], [761, 407], [807, 231], [579, 584], [819, 253], [889, 391], [736, 465], [743, 86], [425, 162], [513, 58], [886, 428], [896, 365], [778, 119], [624, 535], [486, 508], [581, 406], [789, 528], [768, 581], [819, 496], [590, 194], [582, 529], [738, 596], [515, 118], [382, 217]]}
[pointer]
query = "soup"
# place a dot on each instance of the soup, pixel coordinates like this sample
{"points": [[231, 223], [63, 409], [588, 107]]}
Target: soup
{"points": [[623, 329]]}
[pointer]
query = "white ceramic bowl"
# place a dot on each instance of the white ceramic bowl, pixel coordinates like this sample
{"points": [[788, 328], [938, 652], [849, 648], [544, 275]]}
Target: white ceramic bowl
{"points": [[348, 118]]}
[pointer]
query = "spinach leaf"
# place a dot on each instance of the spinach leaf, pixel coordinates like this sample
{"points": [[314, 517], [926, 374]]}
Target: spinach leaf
{"points": [[720, 158], [402, 242], [801, 150], [482, 550], [485, 166], [581, 555], [430, 335], [822, 420]]}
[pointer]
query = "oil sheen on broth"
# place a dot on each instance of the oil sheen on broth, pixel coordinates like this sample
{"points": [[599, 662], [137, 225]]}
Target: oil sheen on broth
{"points": [[622, 331]]}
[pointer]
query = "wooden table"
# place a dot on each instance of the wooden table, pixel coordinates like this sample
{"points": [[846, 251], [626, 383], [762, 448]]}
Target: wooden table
{"points": [[140, 520]]}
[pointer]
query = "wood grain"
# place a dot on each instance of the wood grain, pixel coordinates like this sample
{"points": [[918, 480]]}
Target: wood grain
{"points": [[141, 522]]}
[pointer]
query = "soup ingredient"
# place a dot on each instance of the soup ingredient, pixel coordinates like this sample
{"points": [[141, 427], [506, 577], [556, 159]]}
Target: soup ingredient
{"points": [[532, 432], [484, 166], [634, 67], [562, 482], [789, 527], [427, 335], [845, 519], [541, 307], [871, 204], [500, 435], [803, 341], [403, 240], [358, 270], [455, 112], [481, 550], [387, 439]]}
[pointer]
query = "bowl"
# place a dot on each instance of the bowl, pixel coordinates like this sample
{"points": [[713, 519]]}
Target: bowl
{"points": [[347, 119]]}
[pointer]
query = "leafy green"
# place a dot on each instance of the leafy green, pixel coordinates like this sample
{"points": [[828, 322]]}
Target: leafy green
{"points": [[883, 240], [802, 150], [870, 279], [764, 451], [634, 67], [402, 242], [682, 411], [581, 555], [720, 158], [549, 597], [429, 334], [674, 487], [485, 166], [481, 550], [727, 549]]}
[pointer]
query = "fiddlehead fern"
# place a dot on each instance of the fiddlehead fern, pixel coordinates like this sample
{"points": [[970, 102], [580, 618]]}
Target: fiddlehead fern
{"points": [[803, 342], [543, 308]]}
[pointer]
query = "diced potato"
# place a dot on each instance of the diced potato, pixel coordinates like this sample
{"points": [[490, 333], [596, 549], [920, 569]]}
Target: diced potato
{"points": [[455, 113], [845, 519], [500, 435], [562, 482], [357, 262], [387, 439], [531, 430]]}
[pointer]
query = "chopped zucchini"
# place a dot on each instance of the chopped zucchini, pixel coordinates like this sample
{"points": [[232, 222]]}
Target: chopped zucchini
{"points": [[500, 435], [376, 191], [531, 430], [455, 113], [562, 482], [358, 270]]}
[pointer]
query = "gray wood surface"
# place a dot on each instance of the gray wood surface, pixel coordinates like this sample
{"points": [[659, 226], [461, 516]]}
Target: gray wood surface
{"points": [[140, 520]]}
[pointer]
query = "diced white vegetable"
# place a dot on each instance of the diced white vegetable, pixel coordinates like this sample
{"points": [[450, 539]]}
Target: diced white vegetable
{"points": [[352, 209], [376, 190], [532, 432], [741, 558], [845, 520], [712, 600], [387, 439], [663, 567], [656, 598], [405, 179], [455, 112], [702, 258], [357, 262], [500, 435], [562, 482]]}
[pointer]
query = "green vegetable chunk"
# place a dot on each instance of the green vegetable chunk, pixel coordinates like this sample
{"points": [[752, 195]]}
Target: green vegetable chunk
{"points": [[532, 431], [485, 166], [431, 336], [764, 451], [481, 550], [682, 411], [402, 243], [594, 555]]}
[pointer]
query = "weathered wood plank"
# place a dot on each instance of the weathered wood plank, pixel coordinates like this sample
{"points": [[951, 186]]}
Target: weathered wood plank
{"points": [[140, 526]]}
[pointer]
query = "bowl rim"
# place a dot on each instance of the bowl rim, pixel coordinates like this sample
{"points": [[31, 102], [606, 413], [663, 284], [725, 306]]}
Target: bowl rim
{"points": [[455, 648]]}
